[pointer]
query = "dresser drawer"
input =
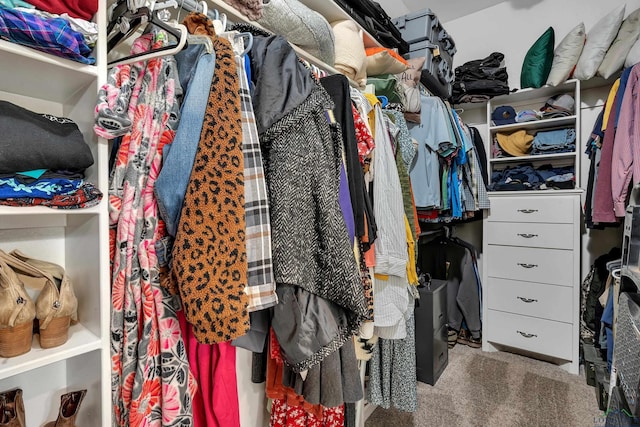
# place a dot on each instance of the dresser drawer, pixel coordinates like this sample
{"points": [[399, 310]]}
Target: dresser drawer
{"points": [[557, 236], [551, 266], [531, 334], [556, 209], [531, 299]]}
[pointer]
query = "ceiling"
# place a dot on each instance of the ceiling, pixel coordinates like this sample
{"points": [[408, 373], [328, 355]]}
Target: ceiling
{"points": [[446, 10]]}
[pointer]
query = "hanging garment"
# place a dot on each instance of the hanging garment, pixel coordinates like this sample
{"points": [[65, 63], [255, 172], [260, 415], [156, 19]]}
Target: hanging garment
{"points": [[312, 256], [391, 287], [213, 366], [392, 372], [444, 259], [173, 179], [209, 253], [150, 377], [603, 211], [337, 86]]}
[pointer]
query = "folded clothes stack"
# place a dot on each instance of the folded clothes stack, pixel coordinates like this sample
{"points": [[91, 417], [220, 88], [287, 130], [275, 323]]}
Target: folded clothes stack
{"points": [[42, 161], [526, 177], [60, 28], [554, 141]]}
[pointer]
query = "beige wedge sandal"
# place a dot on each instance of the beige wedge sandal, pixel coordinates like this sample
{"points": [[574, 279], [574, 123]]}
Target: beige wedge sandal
{"points": [[56, 305]]}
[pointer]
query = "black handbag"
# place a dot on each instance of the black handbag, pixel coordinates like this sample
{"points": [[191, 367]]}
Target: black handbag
{"points": [[372, 17]]}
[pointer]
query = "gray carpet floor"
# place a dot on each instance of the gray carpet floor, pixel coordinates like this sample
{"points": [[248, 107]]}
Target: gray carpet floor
{"points": [[498, 390]]}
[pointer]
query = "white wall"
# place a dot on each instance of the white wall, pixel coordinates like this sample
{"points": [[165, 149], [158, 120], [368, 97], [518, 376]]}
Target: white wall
{"points": [[511, 28]]}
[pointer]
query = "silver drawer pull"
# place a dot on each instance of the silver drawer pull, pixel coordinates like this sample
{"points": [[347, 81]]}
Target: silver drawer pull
{"points": [[526, 335], [527, 211], [527, 235], [527, 300], [527, 265]]}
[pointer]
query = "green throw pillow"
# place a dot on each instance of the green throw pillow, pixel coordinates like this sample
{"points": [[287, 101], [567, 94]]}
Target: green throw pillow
{"points": [[387, 85], [537, 63]]}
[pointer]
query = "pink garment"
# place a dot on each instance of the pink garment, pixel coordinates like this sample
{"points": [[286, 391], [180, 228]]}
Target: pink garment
{"points": [[214, 368], [627, 147], [602, 197]]}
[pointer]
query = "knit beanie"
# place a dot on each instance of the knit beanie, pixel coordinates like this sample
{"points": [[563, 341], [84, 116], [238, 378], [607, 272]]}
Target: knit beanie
{"points": [[209, 253]]}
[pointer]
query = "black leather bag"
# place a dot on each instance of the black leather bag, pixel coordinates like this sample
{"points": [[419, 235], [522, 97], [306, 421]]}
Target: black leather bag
{"points": [[372, 17]]}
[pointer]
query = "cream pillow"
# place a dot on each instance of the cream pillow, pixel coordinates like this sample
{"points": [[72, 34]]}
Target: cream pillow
{"points": [[627, 36], [598, 41], [566, 55], [384, 61], [351, 59]]}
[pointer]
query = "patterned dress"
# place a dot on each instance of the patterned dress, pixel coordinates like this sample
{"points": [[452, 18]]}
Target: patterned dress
{"points": [[150, 379]]}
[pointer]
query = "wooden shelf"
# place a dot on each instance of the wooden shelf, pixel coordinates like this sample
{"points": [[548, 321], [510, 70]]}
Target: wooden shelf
{"points": [[80, 341], [536, 125], [531, 93], [40, 75], [43, 210]]}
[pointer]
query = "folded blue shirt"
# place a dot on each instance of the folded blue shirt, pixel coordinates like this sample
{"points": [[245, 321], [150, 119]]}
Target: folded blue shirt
{"points": [[44, 188]]}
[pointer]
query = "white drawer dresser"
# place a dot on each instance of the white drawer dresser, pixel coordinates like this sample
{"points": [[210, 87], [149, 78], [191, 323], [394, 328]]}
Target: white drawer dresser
{"points": [[531, 284]]}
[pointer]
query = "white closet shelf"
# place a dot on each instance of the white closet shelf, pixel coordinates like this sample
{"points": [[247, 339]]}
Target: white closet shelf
{"points": [[545, 193], [81, 341], [538, 124], [533, 158], [43, 210], [333, 12], [525, 95], [39, 75]]}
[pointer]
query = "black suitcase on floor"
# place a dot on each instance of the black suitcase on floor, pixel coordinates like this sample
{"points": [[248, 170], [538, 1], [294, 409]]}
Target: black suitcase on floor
{"points": [[372, 17]]}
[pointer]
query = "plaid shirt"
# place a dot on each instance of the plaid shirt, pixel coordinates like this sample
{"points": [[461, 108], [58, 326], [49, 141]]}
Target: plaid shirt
{"points": [[53, 36], [262, 285]]}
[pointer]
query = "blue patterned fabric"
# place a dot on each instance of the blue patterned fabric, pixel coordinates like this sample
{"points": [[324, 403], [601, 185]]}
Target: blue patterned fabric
{"points": [[41, 188], [54, 36]]}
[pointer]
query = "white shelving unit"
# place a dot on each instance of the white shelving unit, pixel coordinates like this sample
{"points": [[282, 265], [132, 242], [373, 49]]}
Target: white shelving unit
{"points": [[534, 99], [75, 239], [531, 244]]}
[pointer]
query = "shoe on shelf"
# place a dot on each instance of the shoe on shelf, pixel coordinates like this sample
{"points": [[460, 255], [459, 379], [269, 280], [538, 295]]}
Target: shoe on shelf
{"points": [[56, 305], [12, 409], [69, 407], [465, 337], [17, 312], [452, 338]]}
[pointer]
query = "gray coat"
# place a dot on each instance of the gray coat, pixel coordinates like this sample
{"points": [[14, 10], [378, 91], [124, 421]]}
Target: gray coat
{"points": [[321, 295]]}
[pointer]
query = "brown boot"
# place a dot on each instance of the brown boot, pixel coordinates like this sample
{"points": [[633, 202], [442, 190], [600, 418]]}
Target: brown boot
{"points": [[69, 407], [12, 409]]}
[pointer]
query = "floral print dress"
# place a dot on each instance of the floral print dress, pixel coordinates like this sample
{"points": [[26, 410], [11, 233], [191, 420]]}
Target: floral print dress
{"points": [[150, 379]]}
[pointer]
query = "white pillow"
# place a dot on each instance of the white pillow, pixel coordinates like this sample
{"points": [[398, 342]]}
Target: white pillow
{"points": [[633, 57], [598, 41], [566, 55], [627, 36]]}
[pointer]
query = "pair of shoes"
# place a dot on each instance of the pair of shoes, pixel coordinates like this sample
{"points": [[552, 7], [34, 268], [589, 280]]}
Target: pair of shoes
{"points": [[54, 308], [465, 337], [452, 338], [12, 409]]}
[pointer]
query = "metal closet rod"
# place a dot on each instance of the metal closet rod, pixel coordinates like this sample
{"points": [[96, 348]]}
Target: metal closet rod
{"points": [[196, 6]]}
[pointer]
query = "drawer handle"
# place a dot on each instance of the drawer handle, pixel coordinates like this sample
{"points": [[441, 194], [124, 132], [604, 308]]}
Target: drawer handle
{"points": [[527, 265], [526, 335], [527, 235], [527, 300], [527, 211]]}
